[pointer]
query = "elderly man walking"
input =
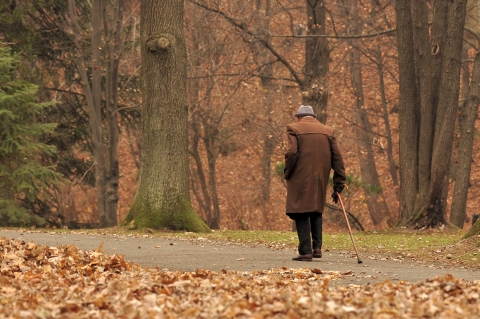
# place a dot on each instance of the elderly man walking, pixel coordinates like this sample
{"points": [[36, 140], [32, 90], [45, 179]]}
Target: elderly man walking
{"points": [[312, 152]]}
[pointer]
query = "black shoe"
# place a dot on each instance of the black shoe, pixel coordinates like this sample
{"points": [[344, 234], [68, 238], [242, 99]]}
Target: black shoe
{"points": [[317, 253], [307, 257]]}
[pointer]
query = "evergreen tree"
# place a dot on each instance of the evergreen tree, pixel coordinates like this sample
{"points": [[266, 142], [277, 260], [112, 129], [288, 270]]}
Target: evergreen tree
{"points": [[59, 54], [23, 178]]}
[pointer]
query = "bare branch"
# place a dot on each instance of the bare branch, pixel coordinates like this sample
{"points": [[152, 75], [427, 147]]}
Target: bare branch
{"points": [[333, 36], [475, 34], [63, 91], [244, 28]]}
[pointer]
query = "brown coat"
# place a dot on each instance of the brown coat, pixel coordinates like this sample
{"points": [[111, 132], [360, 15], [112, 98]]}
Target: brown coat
{"points": [[312, 151]]}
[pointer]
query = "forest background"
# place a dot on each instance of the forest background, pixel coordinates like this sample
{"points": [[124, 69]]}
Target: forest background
{"points": [[250, 65]]}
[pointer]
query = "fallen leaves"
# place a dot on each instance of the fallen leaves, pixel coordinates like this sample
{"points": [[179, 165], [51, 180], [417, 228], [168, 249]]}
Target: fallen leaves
{"points": [[58, 282]]}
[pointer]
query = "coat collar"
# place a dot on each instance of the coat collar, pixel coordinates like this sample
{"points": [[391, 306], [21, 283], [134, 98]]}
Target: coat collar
{"points": [[308, 119]]}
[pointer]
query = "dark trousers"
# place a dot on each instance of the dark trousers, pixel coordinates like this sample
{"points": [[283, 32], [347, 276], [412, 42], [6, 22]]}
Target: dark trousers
{"points": [[309, 231]]}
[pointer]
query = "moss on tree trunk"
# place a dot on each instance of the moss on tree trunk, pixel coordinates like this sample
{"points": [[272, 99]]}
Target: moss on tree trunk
{"points": [[475, 230], [176, 214]]}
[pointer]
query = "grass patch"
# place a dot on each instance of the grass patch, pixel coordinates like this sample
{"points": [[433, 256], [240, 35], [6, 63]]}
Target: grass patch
{"points": [[368, 241], [440, 247]]}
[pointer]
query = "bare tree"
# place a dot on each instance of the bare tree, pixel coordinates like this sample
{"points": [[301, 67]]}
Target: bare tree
{"points": [[209, 136], [372, 188], [264, 60], [312, 83], [104, 153]]}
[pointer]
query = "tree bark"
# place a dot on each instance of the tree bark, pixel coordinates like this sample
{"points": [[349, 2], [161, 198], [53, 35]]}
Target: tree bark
{"points": [[434, 214], [408, 112], [423, 67], [429, 78], [162, 198], [436, 81], [317, 53], [470, 114]]}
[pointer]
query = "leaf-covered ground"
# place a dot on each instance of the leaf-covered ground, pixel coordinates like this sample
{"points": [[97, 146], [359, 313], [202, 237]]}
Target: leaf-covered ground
{"points": [[65, 282]]}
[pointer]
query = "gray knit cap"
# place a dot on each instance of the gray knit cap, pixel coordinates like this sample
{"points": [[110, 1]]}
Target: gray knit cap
{"points": [[305, 110]]}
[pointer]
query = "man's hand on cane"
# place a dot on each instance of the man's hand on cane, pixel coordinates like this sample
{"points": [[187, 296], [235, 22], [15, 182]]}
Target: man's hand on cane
{"points": [[337, 189]]}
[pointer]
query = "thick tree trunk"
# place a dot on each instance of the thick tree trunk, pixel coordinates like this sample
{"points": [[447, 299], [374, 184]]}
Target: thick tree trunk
{"points": [[315, 90], [462, 181], [465, 86], [429, 78], [438, 86], [162, 198], [462, 105], [423, 66], [408, 112], [449, 88]]}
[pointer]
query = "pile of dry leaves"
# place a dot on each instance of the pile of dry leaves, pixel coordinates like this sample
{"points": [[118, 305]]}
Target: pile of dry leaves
{"points": [[65, 282]]}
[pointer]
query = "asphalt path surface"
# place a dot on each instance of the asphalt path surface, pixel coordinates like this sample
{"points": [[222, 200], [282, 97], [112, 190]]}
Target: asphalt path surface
{"points": [[186, 254]]}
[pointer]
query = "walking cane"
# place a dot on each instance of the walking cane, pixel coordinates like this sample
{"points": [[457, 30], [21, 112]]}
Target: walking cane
{"points": [[349, 229]]}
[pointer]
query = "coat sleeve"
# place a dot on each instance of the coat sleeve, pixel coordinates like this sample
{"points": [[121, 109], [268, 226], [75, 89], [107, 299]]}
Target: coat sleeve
{"points": [[291, 155], [338, 167]]}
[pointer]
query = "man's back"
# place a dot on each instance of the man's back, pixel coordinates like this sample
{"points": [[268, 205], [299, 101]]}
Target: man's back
{"points": [[312, 152]]}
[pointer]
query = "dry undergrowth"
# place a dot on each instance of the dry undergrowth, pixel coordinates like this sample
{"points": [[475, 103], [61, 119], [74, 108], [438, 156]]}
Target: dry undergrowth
{"points": [[65, 282]]}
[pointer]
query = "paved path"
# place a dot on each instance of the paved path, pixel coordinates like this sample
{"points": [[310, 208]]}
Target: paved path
{"points": [[200, 253]]}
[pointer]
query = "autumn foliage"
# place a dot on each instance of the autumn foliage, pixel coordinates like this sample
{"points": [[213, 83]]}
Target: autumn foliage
{"points": [[246, 77], [66, 282]]}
